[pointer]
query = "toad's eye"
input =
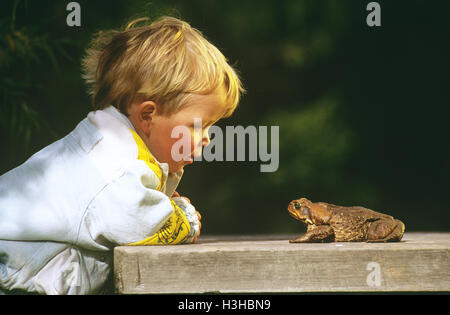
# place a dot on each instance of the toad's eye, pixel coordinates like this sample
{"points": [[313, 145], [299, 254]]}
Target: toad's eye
{"points": [[297, 205]]}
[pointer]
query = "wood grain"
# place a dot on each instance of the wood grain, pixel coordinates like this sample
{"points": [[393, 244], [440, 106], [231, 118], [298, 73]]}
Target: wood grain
{"points": [[420, 262]]}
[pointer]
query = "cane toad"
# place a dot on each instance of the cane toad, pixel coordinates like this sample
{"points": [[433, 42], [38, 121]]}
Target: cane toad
{"points": [[327, 223]]}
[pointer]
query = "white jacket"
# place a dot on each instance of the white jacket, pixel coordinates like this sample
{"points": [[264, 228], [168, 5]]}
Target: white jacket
{"points": [[65, 208]]}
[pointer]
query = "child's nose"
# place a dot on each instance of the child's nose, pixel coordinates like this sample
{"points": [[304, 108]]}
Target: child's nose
{"points": [[205, 139]]}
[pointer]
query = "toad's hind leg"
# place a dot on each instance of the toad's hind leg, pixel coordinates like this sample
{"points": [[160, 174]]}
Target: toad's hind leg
{"points": [[385, 231], [321, 233]]}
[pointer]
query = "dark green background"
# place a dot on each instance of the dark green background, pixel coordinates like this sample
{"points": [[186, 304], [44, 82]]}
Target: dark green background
{"points": [[363, 112]]}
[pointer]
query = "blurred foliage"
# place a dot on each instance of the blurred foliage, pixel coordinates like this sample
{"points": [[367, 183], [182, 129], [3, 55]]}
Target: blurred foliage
{"points": [[23, 51], [363, 112]]}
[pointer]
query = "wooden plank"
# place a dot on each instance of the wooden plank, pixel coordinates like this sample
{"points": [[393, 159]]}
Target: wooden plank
{"points": [[271, 264]]}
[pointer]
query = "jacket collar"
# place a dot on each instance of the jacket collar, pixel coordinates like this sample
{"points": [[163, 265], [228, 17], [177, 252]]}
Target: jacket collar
{"points": [[119, 143]]}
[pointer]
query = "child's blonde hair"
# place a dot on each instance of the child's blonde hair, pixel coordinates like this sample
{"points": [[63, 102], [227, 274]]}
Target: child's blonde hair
{"points": [[166, 61]]}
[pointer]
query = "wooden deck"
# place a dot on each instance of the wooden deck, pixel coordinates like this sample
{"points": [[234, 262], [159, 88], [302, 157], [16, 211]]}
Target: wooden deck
{"points": [[269, 264]]}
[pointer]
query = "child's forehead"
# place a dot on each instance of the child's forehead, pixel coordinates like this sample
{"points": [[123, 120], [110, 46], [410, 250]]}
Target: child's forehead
{"points": [[214, 101], [211, 106]]}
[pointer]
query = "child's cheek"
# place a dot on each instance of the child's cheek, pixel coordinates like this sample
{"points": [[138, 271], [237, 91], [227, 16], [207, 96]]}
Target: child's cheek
{"points": [[196, 144]]}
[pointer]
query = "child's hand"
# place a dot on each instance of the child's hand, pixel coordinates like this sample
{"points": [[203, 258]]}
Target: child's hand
{"points": [[176, 194]]}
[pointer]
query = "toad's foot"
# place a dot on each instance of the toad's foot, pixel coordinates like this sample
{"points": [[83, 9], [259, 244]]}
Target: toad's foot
{"points": [[321, 233]]}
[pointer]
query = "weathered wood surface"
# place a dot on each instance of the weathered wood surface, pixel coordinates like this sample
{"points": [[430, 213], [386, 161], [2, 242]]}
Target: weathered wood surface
{"points": [[420, 262]]}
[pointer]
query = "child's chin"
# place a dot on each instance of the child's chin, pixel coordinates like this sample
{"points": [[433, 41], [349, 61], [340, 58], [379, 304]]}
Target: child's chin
{"points": [[176, 168]]}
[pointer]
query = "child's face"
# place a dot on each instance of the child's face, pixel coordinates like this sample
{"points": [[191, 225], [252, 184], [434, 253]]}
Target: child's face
{"points": [[209, 108]]}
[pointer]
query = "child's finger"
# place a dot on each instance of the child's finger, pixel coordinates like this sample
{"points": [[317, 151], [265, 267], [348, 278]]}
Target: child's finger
{"points": [[198, 215], [175, 194], [187, 199]]}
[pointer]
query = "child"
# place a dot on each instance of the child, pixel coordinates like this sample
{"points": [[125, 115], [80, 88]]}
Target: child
{"points": [[112, 180]]}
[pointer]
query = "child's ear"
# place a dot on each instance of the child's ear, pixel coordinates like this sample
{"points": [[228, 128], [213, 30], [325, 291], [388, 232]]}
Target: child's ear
{"points": [[147, 110]]}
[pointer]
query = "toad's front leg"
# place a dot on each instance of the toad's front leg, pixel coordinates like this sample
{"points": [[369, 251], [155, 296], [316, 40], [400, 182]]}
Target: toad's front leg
{"points": [[321, 233]]}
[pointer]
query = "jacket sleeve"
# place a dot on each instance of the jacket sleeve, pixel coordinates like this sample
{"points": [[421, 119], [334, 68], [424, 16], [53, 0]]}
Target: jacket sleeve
{"points": [[181, 228], [127, 210], [191, 216]]}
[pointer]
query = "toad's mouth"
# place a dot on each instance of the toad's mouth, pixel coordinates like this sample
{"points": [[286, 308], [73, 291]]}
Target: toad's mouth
{"points": [[294, 214]]}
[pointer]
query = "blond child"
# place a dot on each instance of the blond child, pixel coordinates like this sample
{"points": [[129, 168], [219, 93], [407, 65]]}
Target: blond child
{"points": [[112, 180]]}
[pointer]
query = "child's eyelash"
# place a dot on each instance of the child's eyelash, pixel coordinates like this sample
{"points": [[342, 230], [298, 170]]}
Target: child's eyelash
{"points": [[204, 126]]}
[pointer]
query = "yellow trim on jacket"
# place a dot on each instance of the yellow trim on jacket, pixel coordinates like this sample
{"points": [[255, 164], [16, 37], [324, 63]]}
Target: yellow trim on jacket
{"points": [[177, 227], [145, 155]]}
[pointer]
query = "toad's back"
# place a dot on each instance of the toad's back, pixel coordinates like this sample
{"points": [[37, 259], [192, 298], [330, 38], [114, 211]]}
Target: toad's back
{"points": [[352, 223]]}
